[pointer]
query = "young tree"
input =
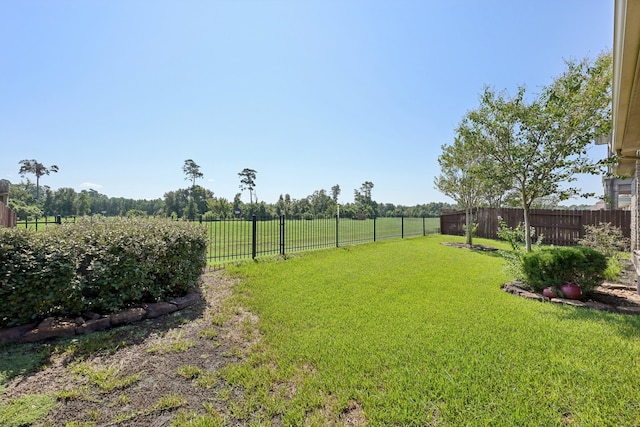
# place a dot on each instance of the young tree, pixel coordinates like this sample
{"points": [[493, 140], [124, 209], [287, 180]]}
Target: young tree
{"points": [[460, 178], [36, 168], [192, 171], [541, 145], [248, 181]]}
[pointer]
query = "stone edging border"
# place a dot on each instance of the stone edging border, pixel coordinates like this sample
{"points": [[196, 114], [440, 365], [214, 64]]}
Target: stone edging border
{"points": [[516, 289], [59, 328]]}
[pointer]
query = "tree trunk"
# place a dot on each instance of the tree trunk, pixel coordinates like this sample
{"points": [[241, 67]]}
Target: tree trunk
{"points": [[527, 228], [469, 228]]}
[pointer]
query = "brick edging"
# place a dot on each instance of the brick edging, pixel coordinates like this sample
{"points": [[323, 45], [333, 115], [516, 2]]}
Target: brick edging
{"points": [[516, 289], [52, 327]]}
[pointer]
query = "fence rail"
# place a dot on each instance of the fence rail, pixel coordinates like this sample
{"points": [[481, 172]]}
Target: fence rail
{"points": [[44, 222], [559, 227]]}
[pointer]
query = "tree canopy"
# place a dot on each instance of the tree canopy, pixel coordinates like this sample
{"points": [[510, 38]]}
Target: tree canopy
{"points": [[248, 181], [192, 171], [38, 169]]}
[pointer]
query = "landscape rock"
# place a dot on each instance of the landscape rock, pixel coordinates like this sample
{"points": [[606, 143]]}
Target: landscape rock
{"points": [[127, 316], [13, 333], [159, 309], [567, 301], [600, 306], [629, 310], [94, 325], [186, 301], [50, 328], [532, 295]]}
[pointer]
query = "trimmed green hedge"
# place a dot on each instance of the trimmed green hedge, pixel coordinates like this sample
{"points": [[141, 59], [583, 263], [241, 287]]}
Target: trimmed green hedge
{"points": [[553, 267], [100, 265]]}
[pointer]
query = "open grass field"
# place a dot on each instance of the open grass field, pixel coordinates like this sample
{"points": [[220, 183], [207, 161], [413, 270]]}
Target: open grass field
{"points": [[412, 332]]}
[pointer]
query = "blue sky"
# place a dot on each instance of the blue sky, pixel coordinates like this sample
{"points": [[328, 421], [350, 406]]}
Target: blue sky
{"points": [[308, 93]]}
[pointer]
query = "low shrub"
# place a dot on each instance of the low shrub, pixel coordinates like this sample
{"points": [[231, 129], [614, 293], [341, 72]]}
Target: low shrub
{"points": [[613, 270], [100, 265], [605, 238], [516, 238], [555, 266]]}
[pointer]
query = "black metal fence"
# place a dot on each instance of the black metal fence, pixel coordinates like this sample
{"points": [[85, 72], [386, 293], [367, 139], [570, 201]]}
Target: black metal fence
{"points": [[39, 223], [235, 239]]}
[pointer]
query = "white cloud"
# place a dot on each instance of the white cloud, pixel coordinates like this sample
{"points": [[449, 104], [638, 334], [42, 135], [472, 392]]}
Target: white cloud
{"points": [[91, 185]]}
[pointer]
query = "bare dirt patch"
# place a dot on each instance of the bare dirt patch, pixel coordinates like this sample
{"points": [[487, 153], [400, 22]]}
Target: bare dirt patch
{"points": [[146, 358]]}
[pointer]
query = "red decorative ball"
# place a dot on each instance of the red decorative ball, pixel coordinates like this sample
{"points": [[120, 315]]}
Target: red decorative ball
{"points": [[571, 291]]}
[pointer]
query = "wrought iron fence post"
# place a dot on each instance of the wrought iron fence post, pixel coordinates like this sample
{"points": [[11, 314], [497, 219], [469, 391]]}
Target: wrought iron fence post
{"points": [[402, 226], [374, 228], [424, 230], [337, 227], [254, 245], [282, 235]]}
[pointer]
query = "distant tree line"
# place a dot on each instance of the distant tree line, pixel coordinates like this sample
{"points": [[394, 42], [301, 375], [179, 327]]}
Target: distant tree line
{"points": [[69, 202]]}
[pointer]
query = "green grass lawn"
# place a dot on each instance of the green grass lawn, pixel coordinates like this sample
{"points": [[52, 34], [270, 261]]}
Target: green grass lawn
{"points": [[413, 332]]}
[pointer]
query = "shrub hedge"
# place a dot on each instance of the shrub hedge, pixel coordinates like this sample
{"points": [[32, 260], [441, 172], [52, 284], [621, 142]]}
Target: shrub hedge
{"points": [[100, 265], [555, 266]]}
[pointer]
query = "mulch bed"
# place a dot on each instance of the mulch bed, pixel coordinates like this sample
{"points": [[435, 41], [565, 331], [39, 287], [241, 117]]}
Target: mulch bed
{"points": [[620, 296]]}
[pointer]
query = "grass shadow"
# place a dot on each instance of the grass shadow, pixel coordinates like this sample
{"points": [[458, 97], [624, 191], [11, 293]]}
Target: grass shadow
{"points": [[627, 325], [24, 359]]}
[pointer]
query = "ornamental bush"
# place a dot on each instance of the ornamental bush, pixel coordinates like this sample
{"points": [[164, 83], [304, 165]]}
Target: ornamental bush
{"points": [[605, 238], [37, 277], [555, 266], [100, 265]]}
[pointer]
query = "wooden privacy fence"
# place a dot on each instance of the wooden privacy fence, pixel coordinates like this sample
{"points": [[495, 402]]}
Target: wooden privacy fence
{"points": [[559, 227], [8, 217]]}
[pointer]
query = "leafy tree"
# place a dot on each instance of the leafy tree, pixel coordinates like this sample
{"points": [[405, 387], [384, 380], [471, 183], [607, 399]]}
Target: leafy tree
{"points": [[283, 207], [321, 203], [365, 207], [248, 181], [541, 145], [192, 171], [21, 206], [335, 193], [237, 204], [176, 202], [220, 207], [83, 204], [36, 168], [364, 194], [191, 211], [136, 213], [460, 178], [201, 197]]}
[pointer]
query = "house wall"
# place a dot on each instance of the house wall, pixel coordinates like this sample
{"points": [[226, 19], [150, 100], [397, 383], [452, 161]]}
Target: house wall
{"points": [[635, 209]]}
